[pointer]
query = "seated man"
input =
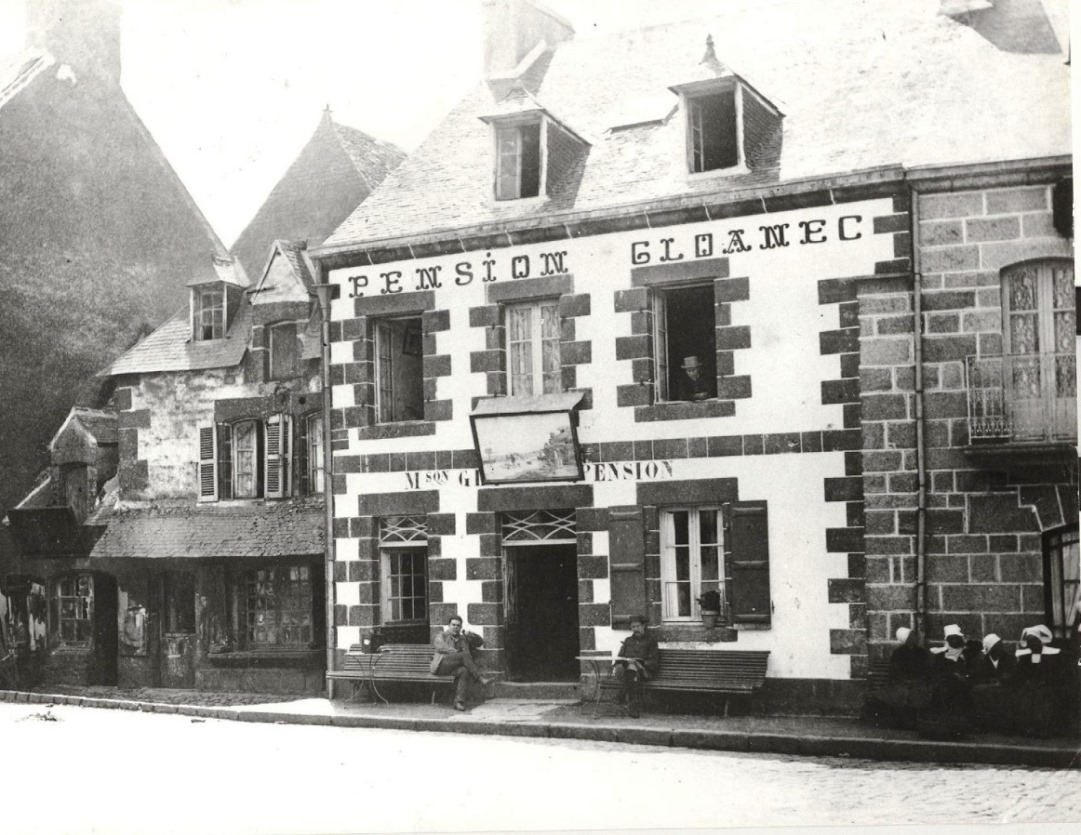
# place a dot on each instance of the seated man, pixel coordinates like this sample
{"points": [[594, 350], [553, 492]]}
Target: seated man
{"points": [[454, 657], [694, 386], [644, 659]]}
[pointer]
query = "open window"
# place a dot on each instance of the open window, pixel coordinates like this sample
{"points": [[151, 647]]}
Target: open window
{"points": [[399, 370], [246, 459], [685, 343], [284, 351], [518, 161], [208, 312], [533, 350], [713, 130]]}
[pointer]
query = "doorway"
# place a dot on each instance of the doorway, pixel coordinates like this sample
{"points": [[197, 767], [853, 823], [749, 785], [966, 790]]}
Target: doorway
{"points": [[177, 647], [106, 639], [542, 611]]}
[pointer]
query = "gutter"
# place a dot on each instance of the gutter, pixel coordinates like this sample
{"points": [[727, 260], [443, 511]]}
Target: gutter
{"points": [[919, 616], [324, 292]]}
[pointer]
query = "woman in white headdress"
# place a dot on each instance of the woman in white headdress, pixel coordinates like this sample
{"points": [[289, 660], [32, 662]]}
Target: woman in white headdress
{"points": [[1040, 694], [951, 711], [907, 690]]}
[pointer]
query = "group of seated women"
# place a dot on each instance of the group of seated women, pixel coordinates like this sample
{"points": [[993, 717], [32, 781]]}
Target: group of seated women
{"points": [[963, 686]]}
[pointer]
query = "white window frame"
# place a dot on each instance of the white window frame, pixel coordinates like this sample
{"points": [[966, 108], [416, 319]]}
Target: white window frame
{"points": [[204, 315], [536, 346], [669, 598], [316, 439], [507, 125], [418, 551], [251, 457]]}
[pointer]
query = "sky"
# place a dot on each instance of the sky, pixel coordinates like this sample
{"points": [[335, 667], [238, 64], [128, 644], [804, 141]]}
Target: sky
{"points": [[232, 89]]}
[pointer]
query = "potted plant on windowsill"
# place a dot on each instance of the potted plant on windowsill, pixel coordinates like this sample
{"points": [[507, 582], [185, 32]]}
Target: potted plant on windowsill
{"points": [[710, 604]]}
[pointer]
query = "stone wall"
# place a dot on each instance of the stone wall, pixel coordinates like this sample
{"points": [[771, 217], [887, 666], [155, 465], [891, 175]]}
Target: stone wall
{"points": [[984, 567]]}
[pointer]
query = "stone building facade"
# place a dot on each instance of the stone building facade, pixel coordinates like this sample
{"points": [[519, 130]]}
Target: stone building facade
{"points": [[570, 237]]}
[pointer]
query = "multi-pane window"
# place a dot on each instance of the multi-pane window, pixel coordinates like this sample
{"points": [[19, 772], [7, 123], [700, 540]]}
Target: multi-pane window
{"points": [[1040, 373], [315, 454], [685, 341], [208, 312], [518, 161], [691, 550], [284, 350], [403, 544], [399, 370], [533, 358], [712, 128], [1062, 581], [75, 609], [246, 446], [277, 608]]}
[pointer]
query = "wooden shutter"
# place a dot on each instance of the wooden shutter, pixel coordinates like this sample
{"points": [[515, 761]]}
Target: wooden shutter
{"points": [[627, 564], [273, 458], [279, 448], [746, 557], [208, 460], [225, 461], [303, 469]]}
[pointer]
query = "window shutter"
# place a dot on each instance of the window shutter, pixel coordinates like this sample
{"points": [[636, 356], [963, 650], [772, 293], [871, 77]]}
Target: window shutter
{"points": [[208, 459], [627, 564], [225, 461], [286, 455], [302, 457], [746, 559], [273, 458]]}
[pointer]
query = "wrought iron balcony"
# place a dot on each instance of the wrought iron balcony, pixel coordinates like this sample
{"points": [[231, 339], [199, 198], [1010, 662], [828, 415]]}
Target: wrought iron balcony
{"points": [[1025, 398]]}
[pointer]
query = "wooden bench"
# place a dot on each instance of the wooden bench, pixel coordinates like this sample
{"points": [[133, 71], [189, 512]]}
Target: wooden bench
{"points": [[398, 663], [725, 672]]}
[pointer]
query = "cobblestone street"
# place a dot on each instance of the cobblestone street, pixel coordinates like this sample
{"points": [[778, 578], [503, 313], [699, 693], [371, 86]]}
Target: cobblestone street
{"points": [[164, 774]]}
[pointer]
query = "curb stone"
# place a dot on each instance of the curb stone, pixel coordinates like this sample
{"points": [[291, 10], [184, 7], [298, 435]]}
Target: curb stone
{"points": [[1065, 755]]}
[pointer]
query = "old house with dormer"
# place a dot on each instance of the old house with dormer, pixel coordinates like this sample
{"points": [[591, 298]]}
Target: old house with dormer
{"points": [[847, 225]]}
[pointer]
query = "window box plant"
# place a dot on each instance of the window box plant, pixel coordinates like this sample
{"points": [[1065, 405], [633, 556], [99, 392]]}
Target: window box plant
{"points": [[710, 605]]}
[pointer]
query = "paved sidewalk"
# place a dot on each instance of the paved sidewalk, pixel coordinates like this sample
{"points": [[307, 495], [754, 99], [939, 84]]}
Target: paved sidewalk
{"points": [[567, 719]]}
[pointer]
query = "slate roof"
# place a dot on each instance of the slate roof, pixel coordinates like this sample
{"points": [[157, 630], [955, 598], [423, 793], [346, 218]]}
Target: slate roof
{"points": [[101, 425], [279, 529], [868, 84], [170, 347], [337, 169]]}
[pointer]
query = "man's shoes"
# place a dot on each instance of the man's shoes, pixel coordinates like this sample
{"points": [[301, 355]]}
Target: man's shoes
{"points": [[485, 681], [459, 705]]}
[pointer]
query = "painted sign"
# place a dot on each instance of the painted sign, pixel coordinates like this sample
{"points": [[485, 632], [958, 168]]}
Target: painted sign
{"points": [[593, 473]]}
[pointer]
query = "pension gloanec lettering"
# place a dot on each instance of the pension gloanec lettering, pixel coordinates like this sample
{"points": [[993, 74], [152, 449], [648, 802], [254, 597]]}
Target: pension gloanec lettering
{"points": [[463, 273], [611, 471], [734, 241], [663, 249]]}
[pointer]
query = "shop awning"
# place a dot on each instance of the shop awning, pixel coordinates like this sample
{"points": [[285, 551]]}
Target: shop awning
{"points": [[280, 529], [47, 531]]}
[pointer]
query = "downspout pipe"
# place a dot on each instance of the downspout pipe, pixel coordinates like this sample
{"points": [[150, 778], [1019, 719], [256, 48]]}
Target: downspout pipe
{"points": [[920, 614], [324, 292]]}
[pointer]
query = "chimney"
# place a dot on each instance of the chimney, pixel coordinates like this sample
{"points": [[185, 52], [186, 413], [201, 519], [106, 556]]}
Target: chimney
{"points": [[512, 28], [82, 33], [1024, 26]]}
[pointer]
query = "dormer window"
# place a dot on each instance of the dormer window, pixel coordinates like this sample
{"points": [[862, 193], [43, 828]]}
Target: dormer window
{"points": [[208, 312], [532, 151], [713, 131], [518, 161]]}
